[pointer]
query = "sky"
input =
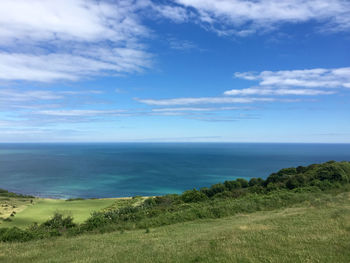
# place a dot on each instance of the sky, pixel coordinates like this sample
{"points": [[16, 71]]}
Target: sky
{"points": [[175, 71]]}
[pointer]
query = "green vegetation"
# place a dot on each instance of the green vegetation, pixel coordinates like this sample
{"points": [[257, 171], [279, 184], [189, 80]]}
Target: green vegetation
{"points": [[311, 231], [11, 204], [39, 210], [282, 189], [5, 193]]}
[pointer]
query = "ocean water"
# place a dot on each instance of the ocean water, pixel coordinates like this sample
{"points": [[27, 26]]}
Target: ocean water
{"points": [[129, 169]]}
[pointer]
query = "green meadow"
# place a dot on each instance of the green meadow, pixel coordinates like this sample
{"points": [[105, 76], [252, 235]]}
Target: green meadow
{"points": [[307, 232], [41, 210]]}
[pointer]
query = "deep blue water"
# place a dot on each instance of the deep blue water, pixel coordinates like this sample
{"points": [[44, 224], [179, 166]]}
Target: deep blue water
{"points": [[128, 169]]}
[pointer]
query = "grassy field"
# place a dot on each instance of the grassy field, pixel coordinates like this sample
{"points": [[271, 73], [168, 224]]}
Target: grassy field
{"points": [[42, 209], [309, 232]]}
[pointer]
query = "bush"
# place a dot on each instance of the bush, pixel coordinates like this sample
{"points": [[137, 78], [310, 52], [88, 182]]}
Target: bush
{"points": [[255, 181], [244, 183], [232, 185], [15, 234], [5, 193], [225, 194], [193, 196], [292, 183], [167, 199], [59, 222], [74, 199], [96, 220], [216, 188]]}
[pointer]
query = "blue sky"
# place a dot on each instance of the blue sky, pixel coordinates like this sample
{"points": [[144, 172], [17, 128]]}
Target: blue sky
{"points": [[181, 70]]}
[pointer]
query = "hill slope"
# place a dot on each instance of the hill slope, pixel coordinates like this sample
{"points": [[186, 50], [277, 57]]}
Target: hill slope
{"points": [[317, 231]]}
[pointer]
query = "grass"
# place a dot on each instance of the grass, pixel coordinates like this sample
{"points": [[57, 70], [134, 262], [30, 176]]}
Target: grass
{"points": [[42, 209], [10, 205], [317, 231]]}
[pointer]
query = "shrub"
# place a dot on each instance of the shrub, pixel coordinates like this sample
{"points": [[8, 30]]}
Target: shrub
{"points": [[224, 194], [15, 234], [216, 188], [193, 196], [292, 183], [96, 220], [75, 199], [255, 181], [149, 202], [167, 199], [231, 185], [287, 171], [59, 222], [244, 183]]}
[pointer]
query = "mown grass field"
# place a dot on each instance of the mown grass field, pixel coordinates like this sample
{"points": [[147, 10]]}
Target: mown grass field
{"points": [[317, 231], [42, 209]]}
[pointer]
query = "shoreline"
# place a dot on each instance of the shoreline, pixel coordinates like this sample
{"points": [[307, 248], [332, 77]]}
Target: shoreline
{"points": [[35, 196]]}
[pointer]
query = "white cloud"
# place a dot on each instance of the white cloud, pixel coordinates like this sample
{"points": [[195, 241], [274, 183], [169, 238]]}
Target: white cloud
{"points": [[72, 113], [74, 92], [17, 66], [174, 13], [307, 78], [267, 91], [244, 17], [69, 20], [203, 100], [181, 44], [181, 109], [199, 109], [48, 40], [16, 96]]}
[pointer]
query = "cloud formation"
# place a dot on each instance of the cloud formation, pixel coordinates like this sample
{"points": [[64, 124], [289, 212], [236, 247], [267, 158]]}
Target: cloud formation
{"points": [[307, 78], [10, 95], [202, 100], [245, 17], [15, 95], [269, 91], [199, 109], [79, 113], [48, 40]]}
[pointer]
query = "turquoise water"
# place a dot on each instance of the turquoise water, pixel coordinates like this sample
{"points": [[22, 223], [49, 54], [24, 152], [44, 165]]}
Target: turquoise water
{"points": [[128, 169]]}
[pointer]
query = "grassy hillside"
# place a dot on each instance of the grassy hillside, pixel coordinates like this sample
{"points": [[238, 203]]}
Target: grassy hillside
{"points": [[40, 210], [317, 231]]}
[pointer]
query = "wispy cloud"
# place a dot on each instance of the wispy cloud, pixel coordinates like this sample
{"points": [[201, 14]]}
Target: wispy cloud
{"points": [[245, 17], [307, 78], [173, 12], [202, 100], [81, 38], [269, 91], [241, 116], [16, 95], [199, 109], [181, 44], [79, 112], [10, 95], [61, 66]]}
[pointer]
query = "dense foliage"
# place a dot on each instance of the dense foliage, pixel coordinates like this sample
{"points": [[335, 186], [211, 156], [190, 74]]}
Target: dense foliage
{"points": [[5, 193], [286, 187]]}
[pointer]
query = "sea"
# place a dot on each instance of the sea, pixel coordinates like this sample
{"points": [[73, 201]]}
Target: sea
{"points": [[102, 170]]}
